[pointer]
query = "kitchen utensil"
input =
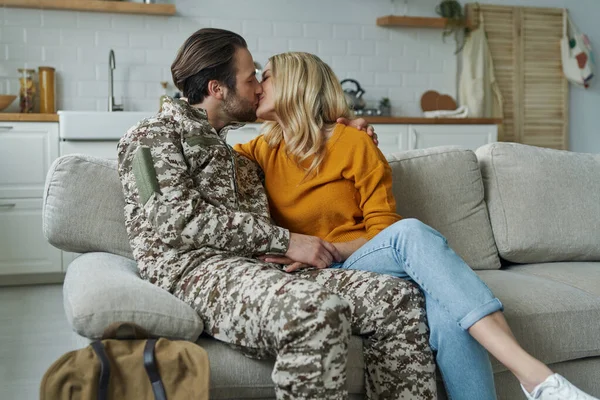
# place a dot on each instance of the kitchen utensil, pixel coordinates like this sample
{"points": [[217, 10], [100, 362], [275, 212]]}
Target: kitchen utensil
{"points": [[445, 102], [354, 97], [429, 100], [6, 100], [433, 101]]}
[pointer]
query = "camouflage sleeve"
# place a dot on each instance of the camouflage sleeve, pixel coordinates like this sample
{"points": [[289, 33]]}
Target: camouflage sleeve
{"points": [[179, 212], [252, 149]]}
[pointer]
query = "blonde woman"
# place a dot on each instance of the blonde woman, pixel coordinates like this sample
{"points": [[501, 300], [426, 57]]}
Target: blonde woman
{"points": [[328, 180]]}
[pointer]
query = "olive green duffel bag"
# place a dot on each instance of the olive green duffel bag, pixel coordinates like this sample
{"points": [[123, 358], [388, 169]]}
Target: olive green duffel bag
{"points": [[129, 365]]}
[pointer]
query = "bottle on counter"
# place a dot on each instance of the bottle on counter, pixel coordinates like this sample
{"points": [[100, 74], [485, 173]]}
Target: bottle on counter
{"points": [[164, 95], [47, 93], [27, 90]]}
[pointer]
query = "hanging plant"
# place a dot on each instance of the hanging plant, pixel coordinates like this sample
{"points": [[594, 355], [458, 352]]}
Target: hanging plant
{"points": [[456, 21]]}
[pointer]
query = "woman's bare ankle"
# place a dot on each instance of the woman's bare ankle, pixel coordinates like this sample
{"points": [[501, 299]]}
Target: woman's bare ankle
{"points": [[536, 375]]}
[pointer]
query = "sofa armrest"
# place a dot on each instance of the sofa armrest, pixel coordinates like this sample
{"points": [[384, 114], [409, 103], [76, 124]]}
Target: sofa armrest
{"points": [[102, 288]]}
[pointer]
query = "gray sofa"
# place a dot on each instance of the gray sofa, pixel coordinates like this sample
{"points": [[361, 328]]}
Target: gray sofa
{"points": [[536, 209]]}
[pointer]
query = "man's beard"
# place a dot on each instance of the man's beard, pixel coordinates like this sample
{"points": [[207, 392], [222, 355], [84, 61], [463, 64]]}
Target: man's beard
{"points": [[239, 109]]}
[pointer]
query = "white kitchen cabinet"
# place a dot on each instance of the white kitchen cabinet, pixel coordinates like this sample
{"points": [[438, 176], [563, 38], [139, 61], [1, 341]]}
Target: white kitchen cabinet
{"points": [[401, 137], [26, 152], [27, 149], [23, 247], [469, 136], [392, 137]]}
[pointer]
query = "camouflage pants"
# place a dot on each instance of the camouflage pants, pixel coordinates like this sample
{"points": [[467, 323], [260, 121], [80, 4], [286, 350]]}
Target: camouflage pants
{"points": [[305, 321]]}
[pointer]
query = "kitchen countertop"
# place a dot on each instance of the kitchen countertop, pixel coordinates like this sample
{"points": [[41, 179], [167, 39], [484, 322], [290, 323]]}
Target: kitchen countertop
{"points": [[31, 117], [432, 121], [16, 117]]}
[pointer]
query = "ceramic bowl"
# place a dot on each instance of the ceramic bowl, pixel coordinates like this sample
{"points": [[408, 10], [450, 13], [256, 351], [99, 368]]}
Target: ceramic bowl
{"points": [[6, 100]]}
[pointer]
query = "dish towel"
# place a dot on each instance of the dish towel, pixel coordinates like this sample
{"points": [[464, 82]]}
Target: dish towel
{"points": [[460, 112]]}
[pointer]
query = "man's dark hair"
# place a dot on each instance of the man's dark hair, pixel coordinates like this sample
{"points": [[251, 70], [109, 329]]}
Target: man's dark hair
{"points": [[206, 55]]}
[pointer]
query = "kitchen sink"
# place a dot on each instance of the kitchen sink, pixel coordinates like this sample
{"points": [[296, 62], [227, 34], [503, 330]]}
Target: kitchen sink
{"points": [[97, 125]]}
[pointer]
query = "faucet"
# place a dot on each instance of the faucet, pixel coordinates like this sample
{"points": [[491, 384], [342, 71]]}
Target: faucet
{"points": [[111, 99]]}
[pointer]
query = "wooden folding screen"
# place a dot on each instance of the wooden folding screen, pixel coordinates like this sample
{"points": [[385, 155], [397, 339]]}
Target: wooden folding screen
{"points": [[525, 47]]}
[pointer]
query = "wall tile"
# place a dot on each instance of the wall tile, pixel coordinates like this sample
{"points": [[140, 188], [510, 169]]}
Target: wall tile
{"points": [[257, 28], [272, 45], [12, 34], [349, 31], [306, 45], [318, 31], [389, 62], [361, 47], [333, 47], [288, 29]]}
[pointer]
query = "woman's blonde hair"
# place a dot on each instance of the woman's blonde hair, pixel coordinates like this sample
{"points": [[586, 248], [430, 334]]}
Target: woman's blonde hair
{"points": [[308, 100]]}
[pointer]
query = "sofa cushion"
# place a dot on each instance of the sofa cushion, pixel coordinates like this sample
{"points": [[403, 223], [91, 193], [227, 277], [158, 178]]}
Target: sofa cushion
{"points": [[553, 309], [544, 204], [83, 207], [234, 376], [102, 288], [442, 187]]}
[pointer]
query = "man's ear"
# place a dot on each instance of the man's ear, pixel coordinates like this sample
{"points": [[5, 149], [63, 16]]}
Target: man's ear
{"points": [[215, 89]]}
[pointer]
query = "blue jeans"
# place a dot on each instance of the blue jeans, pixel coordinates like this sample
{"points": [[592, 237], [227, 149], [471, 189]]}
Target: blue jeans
{"points": [[455, 299]]}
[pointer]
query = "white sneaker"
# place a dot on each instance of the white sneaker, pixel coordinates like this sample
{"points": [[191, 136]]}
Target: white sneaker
{"points": [[556, 387]]}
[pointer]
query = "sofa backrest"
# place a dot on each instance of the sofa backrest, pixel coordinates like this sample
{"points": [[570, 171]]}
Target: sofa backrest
{"points": [[544, 204], [83, 202], [442, 187]]}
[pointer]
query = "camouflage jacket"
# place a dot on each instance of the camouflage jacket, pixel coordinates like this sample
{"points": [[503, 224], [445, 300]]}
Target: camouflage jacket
{"points": [[189, 196]]}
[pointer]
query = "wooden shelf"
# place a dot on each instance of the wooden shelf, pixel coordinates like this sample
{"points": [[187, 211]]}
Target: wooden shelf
{"points": [[417, 22], [31, 117], [93, 6]]}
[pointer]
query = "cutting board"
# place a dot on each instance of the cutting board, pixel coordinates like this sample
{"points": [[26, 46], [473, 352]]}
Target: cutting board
{"points": [[433, 101]]}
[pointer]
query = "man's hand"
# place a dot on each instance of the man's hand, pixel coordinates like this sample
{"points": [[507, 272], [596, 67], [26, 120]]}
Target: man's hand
{"points": [[283, 260], [361, 125], [304, 251]]}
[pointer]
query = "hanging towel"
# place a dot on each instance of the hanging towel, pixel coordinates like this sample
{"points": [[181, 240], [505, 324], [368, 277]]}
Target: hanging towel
{"points": [[478, 89]]}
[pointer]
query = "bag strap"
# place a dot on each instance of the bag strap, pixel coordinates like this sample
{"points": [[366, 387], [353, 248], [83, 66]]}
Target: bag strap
{"points": [[104, 370], [152, 370]]}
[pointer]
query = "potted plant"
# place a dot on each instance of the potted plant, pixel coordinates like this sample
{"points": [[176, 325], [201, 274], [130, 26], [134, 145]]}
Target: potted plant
{"points": [[452, 10]]}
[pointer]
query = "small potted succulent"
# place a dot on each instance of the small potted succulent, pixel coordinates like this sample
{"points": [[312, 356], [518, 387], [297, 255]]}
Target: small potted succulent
{"points": [[385, 107]]}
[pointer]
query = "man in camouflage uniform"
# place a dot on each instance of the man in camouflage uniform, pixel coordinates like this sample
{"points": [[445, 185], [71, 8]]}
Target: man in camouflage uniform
{"points": [[197, 218]]}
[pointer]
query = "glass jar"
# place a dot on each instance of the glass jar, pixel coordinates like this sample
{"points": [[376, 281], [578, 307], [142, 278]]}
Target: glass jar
{"points": [[46, 83], [27, 91]]}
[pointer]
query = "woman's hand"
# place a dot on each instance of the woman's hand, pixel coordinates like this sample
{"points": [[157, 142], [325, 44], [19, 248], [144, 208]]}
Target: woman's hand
{"points": [[347, 248], [361, 125], [306, 251]]}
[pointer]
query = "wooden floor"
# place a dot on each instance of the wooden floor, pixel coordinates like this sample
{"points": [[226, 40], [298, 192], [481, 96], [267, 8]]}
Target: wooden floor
{"points": [[33, 334]]}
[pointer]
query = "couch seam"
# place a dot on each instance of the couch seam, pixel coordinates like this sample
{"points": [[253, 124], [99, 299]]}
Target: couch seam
{"points": [[137, 312], [458, 150], [500, 196], [51, 172], [557, 281]]}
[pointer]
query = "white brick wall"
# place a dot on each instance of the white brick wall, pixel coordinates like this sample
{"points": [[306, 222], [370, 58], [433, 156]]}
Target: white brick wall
{"points": [[399, 63]]}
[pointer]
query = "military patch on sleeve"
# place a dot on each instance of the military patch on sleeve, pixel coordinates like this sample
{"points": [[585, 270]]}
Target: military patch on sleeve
{"points": [[203, 141], [145, 174]]}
